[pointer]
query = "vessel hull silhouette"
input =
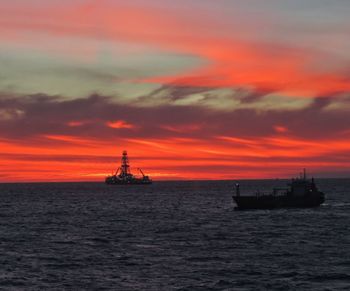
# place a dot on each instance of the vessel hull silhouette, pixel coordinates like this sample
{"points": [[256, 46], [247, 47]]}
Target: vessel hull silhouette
{"points": [[302, 193], [285, 201]]}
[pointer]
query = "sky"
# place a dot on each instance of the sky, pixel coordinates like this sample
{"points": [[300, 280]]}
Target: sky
{"points": [[192, 89]]}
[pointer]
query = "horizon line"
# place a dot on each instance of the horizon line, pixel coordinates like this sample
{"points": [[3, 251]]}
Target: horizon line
{"points": [[176, 180]]}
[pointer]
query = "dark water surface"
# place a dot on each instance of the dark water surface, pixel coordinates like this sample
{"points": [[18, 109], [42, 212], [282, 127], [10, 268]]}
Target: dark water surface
{"points": [[169, 236]]}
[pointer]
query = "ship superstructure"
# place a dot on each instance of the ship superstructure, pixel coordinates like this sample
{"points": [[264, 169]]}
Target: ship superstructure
{"points": [[123, 175]]}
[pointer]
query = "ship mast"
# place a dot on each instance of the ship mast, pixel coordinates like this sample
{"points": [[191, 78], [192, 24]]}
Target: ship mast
{"points": [[125, 167]]}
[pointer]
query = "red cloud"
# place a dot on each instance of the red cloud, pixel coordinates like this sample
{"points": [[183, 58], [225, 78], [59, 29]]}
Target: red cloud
{"points": [[280, 129], [169, 139], [210, 158], [61, 140]]}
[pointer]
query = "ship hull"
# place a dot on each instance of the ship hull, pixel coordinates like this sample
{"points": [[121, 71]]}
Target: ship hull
{"points": [[273, 202], [111, 181], [129, 183]]}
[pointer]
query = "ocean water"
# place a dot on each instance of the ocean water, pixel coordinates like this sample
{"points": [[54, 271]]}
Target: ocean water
{"points": [[169, 236]]}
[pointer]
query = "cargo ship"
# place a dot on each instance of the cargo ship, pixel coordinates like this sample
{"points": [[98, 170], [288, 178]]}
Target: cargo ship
{"points": [[301, 193], [123, 175]]}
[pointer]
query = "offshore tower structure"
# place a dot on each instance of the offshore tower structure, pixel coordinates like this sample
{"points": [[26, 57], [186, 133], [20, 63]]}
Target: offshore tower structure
{"points": [[123, 175]]}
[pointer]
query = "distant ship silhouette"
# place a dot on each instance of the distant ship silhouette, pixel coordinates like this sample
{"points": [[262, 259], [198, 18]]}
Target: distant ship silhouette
{"points": [[123, 176], [302, 193]]}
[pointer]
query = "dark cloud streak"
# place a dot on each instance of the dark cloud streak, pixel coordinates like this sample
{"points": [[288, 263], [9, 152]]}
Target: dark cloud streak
{"points": [[51, 115]]}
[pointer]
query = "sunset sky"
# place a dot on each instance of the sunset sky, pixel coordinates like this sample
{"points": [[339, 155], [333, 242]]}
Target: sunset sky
{"points": [[193, 89]]}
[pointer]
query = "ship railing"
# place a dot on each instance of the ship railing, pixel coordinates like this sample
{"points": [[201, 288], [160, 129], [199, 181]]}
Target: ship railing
{"points": [[261, 193], [275, 192], [279, 191]]}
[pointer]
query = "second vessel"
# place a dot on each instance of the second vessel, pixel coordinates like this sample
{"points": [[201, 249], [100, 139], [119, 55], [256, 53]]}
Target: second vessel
{"points": [[123, 175]]}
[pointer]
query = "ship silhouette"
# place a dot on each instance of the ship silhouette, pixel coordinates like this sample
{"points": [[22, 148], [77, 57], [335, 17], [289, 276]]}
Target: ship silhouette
{"points": [[302, 193], [123, 175]]}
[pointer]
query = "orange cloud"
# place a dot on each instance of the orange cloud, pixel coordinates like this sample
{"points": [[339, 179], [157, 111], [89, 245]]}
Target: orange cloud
{"points": [[231, 60], [119, 124], [75, 123], [182, 128]]}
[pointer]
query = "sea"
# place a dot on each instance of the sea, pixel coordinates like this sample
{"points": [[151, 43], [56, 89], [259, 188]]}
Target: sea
{"points": [[180, 235]]}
